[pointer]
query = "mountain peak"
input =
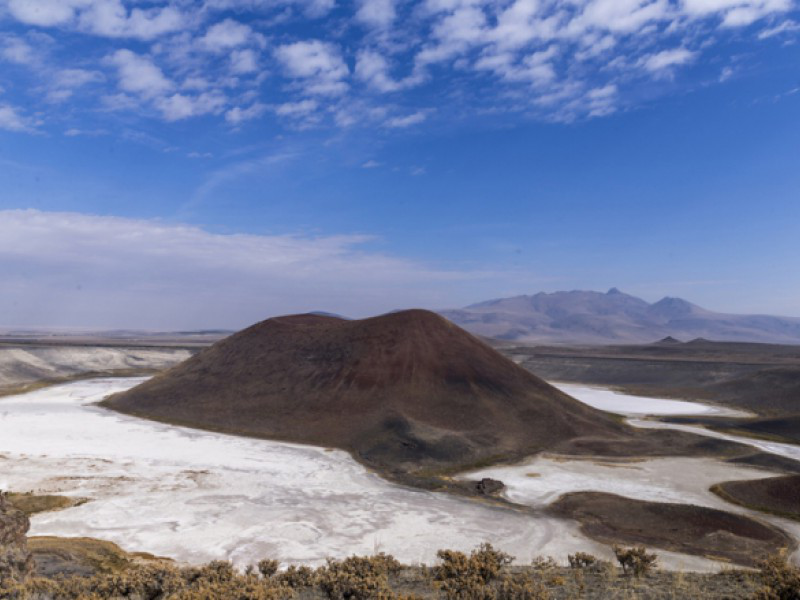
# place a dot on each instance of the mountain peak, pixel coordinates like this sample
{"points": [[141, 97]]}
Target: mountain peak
{"points": [[613, 291]]}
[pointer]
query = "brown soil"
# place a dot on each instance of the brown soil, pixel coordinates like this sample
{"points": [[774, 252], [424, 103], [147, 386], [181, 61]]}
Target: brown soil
{"points": [[681, 528], [775, 495]]}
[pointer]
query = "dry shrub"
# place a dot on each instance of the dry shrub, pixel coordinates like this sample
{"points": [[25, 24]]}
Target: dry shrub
{"points": [[268, 567], [521, 587], [296, 577], [581, 560], [358, 578], [470, 577], [214, 581], [636, 560], [544, 565], [779, 579]]}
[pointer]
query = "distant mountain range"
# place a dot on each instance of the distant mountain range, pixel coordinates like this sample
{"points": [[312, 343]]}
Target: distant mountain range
{"points": [[615, 318]]}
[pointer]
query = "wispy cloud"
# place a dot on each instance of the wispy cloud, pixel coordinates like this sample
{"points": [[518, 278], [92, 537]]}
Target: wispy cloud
{"points": [[86, 270]]}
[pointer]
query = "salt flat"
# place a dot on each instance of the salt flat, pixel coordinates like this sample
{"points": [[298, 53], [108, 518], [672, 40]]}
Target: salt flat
{"points": [[631, 405], [197, 496]]}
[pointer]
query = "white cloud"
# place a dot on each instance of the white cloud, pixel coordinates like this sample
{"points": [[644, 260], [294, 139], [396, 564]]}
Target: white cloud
{"points": [[318, 8], [296, 109], [620, 16], [227, 34], [244, 61], [376, 13], [180, 106], [237, 115], [83, 270], [12, 120], [66, 81], [43, 12], [373, 69], [536, 68], [407, 120], [787, 26], [666, 59], [139, 75], [601, 101], [142, 81], [75, 132], [318, 64], [534, 56], [455, 33], [16, 50], [736, 13], [371, 164], [108, 18]]}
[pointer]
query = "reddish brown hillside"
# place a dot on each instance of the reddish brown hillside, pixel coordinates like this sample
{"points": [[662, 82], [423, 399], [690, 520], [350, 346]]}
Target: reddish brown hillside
{"points": [[402, 391]]}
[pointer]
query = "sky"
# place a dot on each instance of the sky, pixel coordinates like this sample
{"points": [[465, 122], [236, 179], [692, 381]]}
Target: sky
{"points": [[210, 163]]}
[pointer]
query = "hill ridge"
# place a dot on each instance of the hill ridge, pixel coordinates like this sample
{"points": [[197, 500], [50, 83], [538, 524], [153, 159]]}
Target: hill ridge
{"points": [[614, 317]]}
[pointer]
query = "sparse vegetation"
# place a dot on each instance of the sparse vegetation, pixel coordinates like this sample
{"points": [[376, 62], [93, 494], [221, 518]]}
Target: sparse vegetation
{"points": [[635, 561], [779, 580], [484, 574], [581, 560], [297, 577], [358, 578]]}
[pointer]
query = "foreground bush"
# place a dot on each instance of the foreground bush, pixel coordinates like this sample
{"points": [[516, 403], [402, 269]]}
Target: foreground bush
{"points": [[581, 560], [358, 578], [482, 576], [779, 580], [635, 560]]}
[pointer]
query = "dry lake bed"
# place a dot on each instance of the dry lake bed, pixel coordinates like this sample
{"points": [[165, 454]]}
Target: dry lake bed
{"points": [[197, 496]]}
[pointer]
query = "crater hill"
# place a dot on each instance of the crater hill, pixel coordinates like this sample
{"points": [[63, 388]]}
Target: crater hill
{"points": [[407, 393]]}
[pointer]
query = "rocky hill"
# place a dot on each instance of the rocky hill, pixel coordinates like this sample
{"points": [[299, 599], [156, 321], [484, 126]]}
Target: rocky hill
{"points": [[405, 391]]}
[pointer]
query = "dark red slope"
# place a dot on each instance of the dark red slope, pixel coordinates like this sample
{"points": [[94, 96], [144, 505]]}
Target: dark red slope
{"points": [[402, 391]]}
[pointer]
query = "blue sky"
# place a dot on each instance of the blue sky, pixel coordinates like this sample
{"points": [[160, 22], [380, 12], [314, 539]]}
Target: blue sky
{"points": [[207, 163]]}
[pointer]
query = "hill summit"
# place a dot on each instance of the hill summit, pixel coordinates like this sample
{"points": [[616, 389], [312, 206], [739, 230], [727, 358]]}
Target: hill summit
{"points": [[403, 392]]}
